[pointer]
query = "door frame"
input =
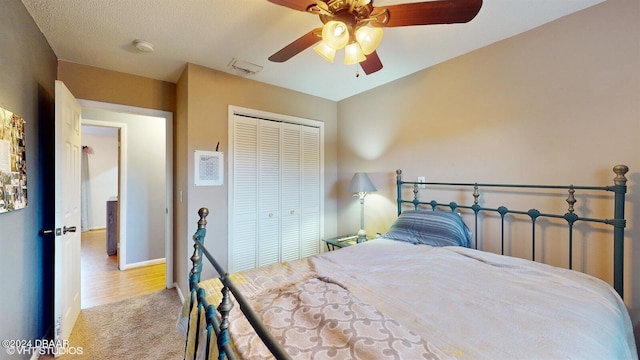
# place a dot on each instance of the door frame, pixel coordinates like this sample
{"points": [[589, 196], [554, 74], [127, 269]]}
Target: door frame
{"points": [[168, 116]]}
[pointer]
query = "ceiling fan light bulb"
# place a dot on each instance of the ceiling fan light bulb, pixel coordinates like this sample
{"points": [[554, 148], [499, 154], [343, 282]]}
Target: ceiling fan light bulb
{"points": [[353, 54], [369, 38], [338, 30], [326, 51], [335, 34]]}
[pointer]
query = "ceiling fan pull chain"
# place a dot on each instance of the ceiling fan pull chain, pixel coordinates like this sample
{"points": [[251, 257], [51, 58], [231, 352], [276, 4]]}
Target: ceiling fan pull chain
{"points": [[357, 72]]}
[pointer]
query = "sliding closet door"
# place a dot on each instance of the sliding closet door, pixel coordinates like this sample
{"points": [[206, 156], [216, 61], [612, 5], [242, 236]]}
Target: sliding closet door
{"points": [[292, 190], [310, 180], [275, 203], [243, 245], [268, 182]]}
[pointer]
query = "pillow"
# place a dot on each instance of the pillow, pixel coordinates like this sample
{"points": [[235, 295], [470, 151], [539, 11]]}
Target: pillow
{"points": [[435, 228]]}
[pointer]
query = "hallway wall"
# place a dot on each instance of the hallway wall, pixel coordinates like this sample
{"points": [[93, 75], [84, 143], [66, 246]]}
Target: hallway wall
{"points": [[103, 172]]}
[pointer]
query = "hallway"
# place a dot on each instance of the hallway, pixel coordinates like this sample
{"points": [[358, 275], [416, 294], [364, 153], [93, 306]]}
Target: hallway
{"points": [[103, 283]]}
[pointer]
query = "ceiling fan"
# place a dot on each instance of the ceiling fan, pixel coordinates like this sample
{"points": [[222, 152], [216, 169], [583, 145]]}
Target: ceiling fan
{"points": [[356, 26]]}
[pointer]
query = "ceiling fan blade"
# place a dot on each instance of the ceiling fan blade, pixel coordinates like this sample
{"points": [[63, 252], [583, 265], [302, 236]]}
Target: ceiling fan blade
{"points": [[431, 12], [371, 64], [297, 46], [301, 5]]}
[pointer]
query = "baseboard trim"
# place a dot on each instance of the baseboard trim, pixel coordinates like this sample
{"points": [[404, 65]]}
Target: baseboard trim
{"points": [[175, 285], [145, 263]]}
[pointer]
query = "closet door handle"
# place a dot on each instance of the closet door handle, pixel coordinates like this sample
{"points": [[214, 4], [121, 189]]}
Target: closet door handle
{"points": [[292, 212], [270, 214]]}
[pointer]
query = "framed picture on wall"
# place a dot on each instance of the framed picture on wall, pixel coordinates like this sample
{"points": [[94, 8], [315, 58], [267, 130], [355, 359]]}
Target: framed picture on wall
{"points": [[208, 168]]}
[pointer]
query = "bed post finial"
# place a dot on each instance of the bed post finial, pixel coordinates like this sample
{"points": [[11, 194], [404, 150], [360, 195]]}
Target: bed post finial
{"points": [[620, 171], [203, 212]]}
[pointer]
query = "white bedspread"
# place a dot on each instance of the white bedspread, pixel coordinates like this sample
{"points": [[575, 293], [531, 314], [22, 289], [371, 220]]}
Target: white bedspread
{"points": [[477, 305], [462, 303]]}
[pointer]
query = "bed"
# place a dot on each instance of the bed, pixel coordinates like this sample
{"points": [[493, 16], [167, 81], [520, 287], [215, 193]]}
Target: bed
{"points": [[440, 298]]}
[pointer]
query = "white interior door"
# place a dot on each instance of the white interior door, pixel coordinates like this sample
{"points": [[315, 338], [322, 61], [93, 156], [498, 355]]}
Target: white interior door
{"points": [[67, 211]]}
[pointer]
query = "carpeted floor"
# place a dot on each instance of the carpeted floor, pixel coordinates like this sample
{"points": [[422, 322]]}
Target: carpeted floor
{"points": [[142, 327]]}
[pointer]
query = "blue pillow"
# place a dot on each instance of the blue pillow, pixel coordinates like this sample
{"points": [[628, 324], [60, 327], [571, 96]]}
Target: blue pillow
{"points": [[435, 228]]}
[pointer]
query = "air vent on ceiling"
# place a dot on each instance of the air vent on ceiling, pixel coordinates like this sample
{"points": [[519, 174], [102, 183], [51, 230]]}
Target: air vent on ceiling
{"points": [[244, 67]]}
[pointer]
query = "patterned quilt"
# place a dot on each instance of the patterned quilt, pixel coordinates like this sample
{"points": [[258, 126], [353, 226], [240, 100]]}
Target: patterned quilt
{"points": [[319, 319]]}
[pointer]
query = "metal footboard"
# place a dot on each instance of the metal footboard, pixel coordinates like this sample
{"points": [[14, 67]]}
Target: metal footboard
{"points": [[217, 325], [618, 221]]}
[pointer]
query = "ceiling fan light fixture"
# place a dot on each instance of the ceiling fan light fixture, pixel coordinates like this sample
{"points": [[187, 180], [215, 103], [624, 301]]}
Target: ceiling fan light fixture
{"points": [[326, 51], [342, 19], [335, 34], [353, 54], [369, 38]]}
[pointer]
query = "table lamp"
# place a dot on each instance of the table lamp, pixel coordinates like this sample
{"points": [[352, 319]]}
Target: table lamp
{"points": [[361, 185]]}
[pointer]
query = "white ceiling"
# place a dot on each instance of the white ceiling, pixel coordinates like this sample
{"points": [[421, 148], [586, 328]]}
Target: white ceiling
{"points": [[213, 32]]}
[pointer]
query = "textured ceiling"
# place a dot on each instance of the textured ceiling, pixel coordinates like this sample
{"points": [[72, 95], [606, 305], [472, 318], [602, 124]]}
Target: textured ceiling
{"points": [[213, 32]]}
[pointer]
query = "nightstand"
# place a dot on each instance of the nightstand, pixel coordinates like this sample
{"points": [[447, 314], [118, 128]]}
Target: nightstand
{"points": [[341, 241]]}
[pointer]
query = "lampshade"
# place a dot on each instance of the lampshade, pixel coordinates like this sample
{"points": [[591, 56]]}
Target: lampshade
{"points": [[326, 51], [353, 54], [369, 38], [335, 34], [360, 183]]}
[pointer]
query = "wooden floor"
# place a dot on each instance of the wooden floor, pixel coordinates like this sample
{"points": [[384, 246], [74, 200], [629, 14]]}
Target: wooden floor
{"points": [[103, 283]]}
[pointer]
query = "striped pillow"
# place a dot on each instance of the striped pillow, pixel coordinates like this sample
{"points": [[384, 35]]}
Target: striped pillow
{"points": [[435, 228]]}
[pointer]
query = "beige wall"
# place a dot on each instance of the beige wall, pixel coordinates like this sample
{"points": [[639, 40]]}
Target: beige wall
{"points": [[207, 94], [200, 102], [92, 83], [559, 104]]}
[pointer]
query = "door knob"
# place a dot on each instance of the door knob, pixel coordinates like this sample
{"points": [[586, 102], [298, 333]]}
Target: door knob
{"points": [[68, 229]]}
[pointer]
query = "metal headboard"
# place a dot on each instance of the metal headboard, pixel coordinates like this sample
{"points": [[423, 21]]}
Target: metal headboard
{"points": [[619, 190]]}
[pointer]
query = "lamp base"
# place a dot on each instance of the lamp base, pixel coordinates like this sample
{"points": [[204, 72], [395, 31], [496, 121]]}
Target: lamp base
{"points": [[362, 236]]}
